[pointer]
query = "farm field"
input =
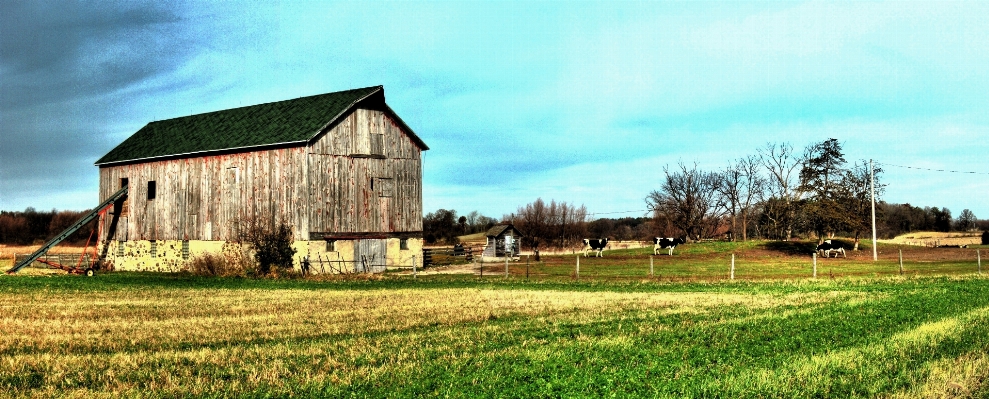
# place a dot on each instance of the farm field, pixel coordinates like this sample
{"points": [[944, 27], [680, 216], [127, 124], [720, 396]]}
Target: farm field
{"points": [[754, 260], [175, 335]]}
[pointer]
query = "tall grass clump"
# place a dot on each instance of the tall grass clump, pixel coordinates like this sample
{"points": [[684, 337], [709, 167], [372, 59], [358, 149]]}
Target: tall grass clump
{"points": [[233, 260], [210, 264]]}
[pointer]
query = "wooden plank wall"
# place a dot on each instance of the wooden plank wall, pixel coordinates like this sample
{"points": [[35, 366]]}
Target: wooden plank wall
{"points": [[325, 187], [342, 199], [201, 198]]}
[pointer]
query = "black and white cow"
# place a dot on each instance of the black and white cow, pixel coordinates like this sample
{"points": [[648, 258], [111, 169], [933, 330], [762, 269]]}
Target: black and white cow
{"points": [[665, 243], [827, 247], [596, 245]]}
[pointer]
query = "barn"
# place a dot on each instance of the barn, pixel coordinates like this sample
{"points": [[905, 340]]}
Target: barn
{"points": [[342, 169]]}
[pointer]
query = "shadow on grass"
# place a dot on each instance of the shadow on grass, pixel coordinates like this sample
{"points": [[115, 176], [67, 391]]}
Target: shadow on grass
{"points": [[792, 247]]}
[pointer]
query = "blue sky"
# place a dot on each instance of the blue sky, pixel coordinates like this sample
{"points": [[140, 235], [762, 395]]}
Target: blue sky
{"points": [[581, 102]]}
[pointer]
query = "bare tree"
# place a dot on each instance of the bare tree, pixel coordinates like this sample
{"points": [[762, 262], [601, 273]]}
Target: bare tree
{"points": [[739, 186], [688, 198], [783, 165], [555, 224]]}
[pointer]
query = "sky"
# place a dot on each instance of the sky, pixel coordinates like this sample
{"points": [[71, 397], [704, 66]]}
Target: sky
{"points": [[583, 102]]}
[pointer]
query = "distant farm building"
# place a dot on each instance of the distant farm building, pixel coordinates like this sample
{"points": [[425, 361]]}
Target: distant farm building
{"points": [[342, 169], [503, 241]]}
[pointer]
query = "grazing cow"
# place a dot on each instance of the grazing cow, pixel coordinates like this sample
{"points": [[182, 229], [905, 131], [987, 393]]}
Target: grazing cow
{"points": [[596, 245], [665, 243], [827, 247]]}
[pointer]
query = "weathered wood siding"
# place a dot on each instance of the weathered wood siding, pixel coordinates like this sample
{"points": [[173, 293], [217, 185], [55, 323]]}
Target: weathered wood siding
{"points": [[362, 176], [354, 190], [204, 198]]}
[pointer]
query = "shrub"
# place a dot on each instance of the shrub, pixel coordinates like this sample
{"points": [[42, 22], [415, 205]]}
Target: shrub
{"points": [[272, 245]]}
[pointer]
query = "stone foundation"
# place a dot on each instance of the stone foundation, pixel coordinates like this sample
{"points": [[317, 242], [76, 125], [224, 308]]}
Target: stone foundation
{"points": [[169, 256]]}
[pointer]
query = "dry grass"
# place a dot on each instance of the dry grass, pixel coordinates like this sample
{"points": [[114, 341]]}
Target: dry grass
{"points": [[932, 238], [148, 338], [8, 251]]}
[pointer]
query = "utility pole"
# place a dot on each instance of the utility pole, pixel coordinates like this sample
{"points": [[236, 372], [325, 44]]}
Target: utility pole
{"points": [[872, 188]]}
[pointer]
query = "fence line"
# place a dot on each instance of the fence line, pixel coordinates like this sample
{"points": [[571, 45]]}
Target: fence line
{"points": [[575, 271]]}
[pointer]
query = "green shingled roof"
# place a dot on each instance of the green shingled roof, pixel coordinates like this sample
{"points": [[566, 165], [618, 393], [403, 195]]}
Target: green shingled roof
{"points": [[270, 124]]}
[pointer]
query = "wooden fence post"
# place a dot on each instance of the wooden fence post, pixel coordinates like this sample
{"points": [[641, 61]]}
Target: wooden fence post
{"points": [[527, 267], [414, 275], [651, 274], [577, 271], [901, 262], [732, 266], [978, 255], [815, 264], [482, 266]]}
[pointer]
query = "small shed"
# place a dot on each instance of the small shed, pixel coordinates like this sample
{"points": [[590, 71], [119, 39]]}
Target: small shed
{"points": [[503, 241]]}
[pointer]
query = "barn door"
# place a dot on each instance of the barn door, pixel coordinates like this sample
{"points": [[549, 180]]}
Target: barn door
{"points": [[369, 255]]}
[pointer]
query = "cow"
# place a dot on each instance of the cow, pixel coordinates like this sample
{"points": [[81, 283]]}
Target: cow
{"points": [[664, 243], [596, 245], [827, 247]]}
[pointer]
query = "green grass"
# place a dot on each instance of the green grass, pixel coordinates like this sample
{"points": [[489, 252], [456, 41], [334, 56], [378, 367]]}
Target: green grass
{"points": [[153, 335]]}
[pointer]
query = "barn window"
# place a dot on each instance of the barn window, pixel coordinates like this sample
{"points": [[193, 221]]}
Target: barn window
{"points": [[185, 249], [385, 187], [152, 190], [403, 244], [331, 245], [120, 248], [123, 205], [233, 175], [154, 249]]}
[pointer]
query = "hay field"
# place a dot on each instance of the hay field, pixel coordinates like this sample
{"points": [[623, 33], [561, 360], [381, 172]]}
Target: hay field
{"points": [[152, 335], [930, 238]]}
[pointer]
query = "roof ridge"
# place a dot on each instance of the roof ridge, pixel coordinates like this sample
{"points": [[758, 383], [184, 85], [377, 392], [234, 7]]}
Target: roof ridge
{"points": [[378, 87]]}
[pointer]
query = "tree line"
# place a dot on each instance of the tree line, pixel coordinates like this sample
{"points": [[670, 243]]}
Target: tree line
{"points": [[444, 226], [31, 227]]}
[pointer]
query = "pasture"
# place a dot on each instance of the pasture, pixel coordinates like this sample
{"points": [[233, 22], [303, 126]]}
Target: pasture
{"points": [[754, 260], [175, 335]]}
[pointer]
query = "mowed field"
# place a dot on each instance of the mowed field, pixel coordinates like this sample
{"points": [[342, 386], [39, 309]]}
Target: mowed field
{"points": [[862, 330]]}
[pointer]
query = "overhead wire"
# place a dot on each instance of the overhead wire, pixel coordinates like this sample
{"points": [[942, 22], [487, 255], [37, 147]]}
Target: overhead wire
{"points": [[932, 170]]}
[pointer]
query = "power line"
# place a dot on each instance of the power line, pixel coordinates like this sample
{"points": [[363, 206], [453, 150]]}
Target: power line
{"points": [[932, 170], [611, 213]]}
